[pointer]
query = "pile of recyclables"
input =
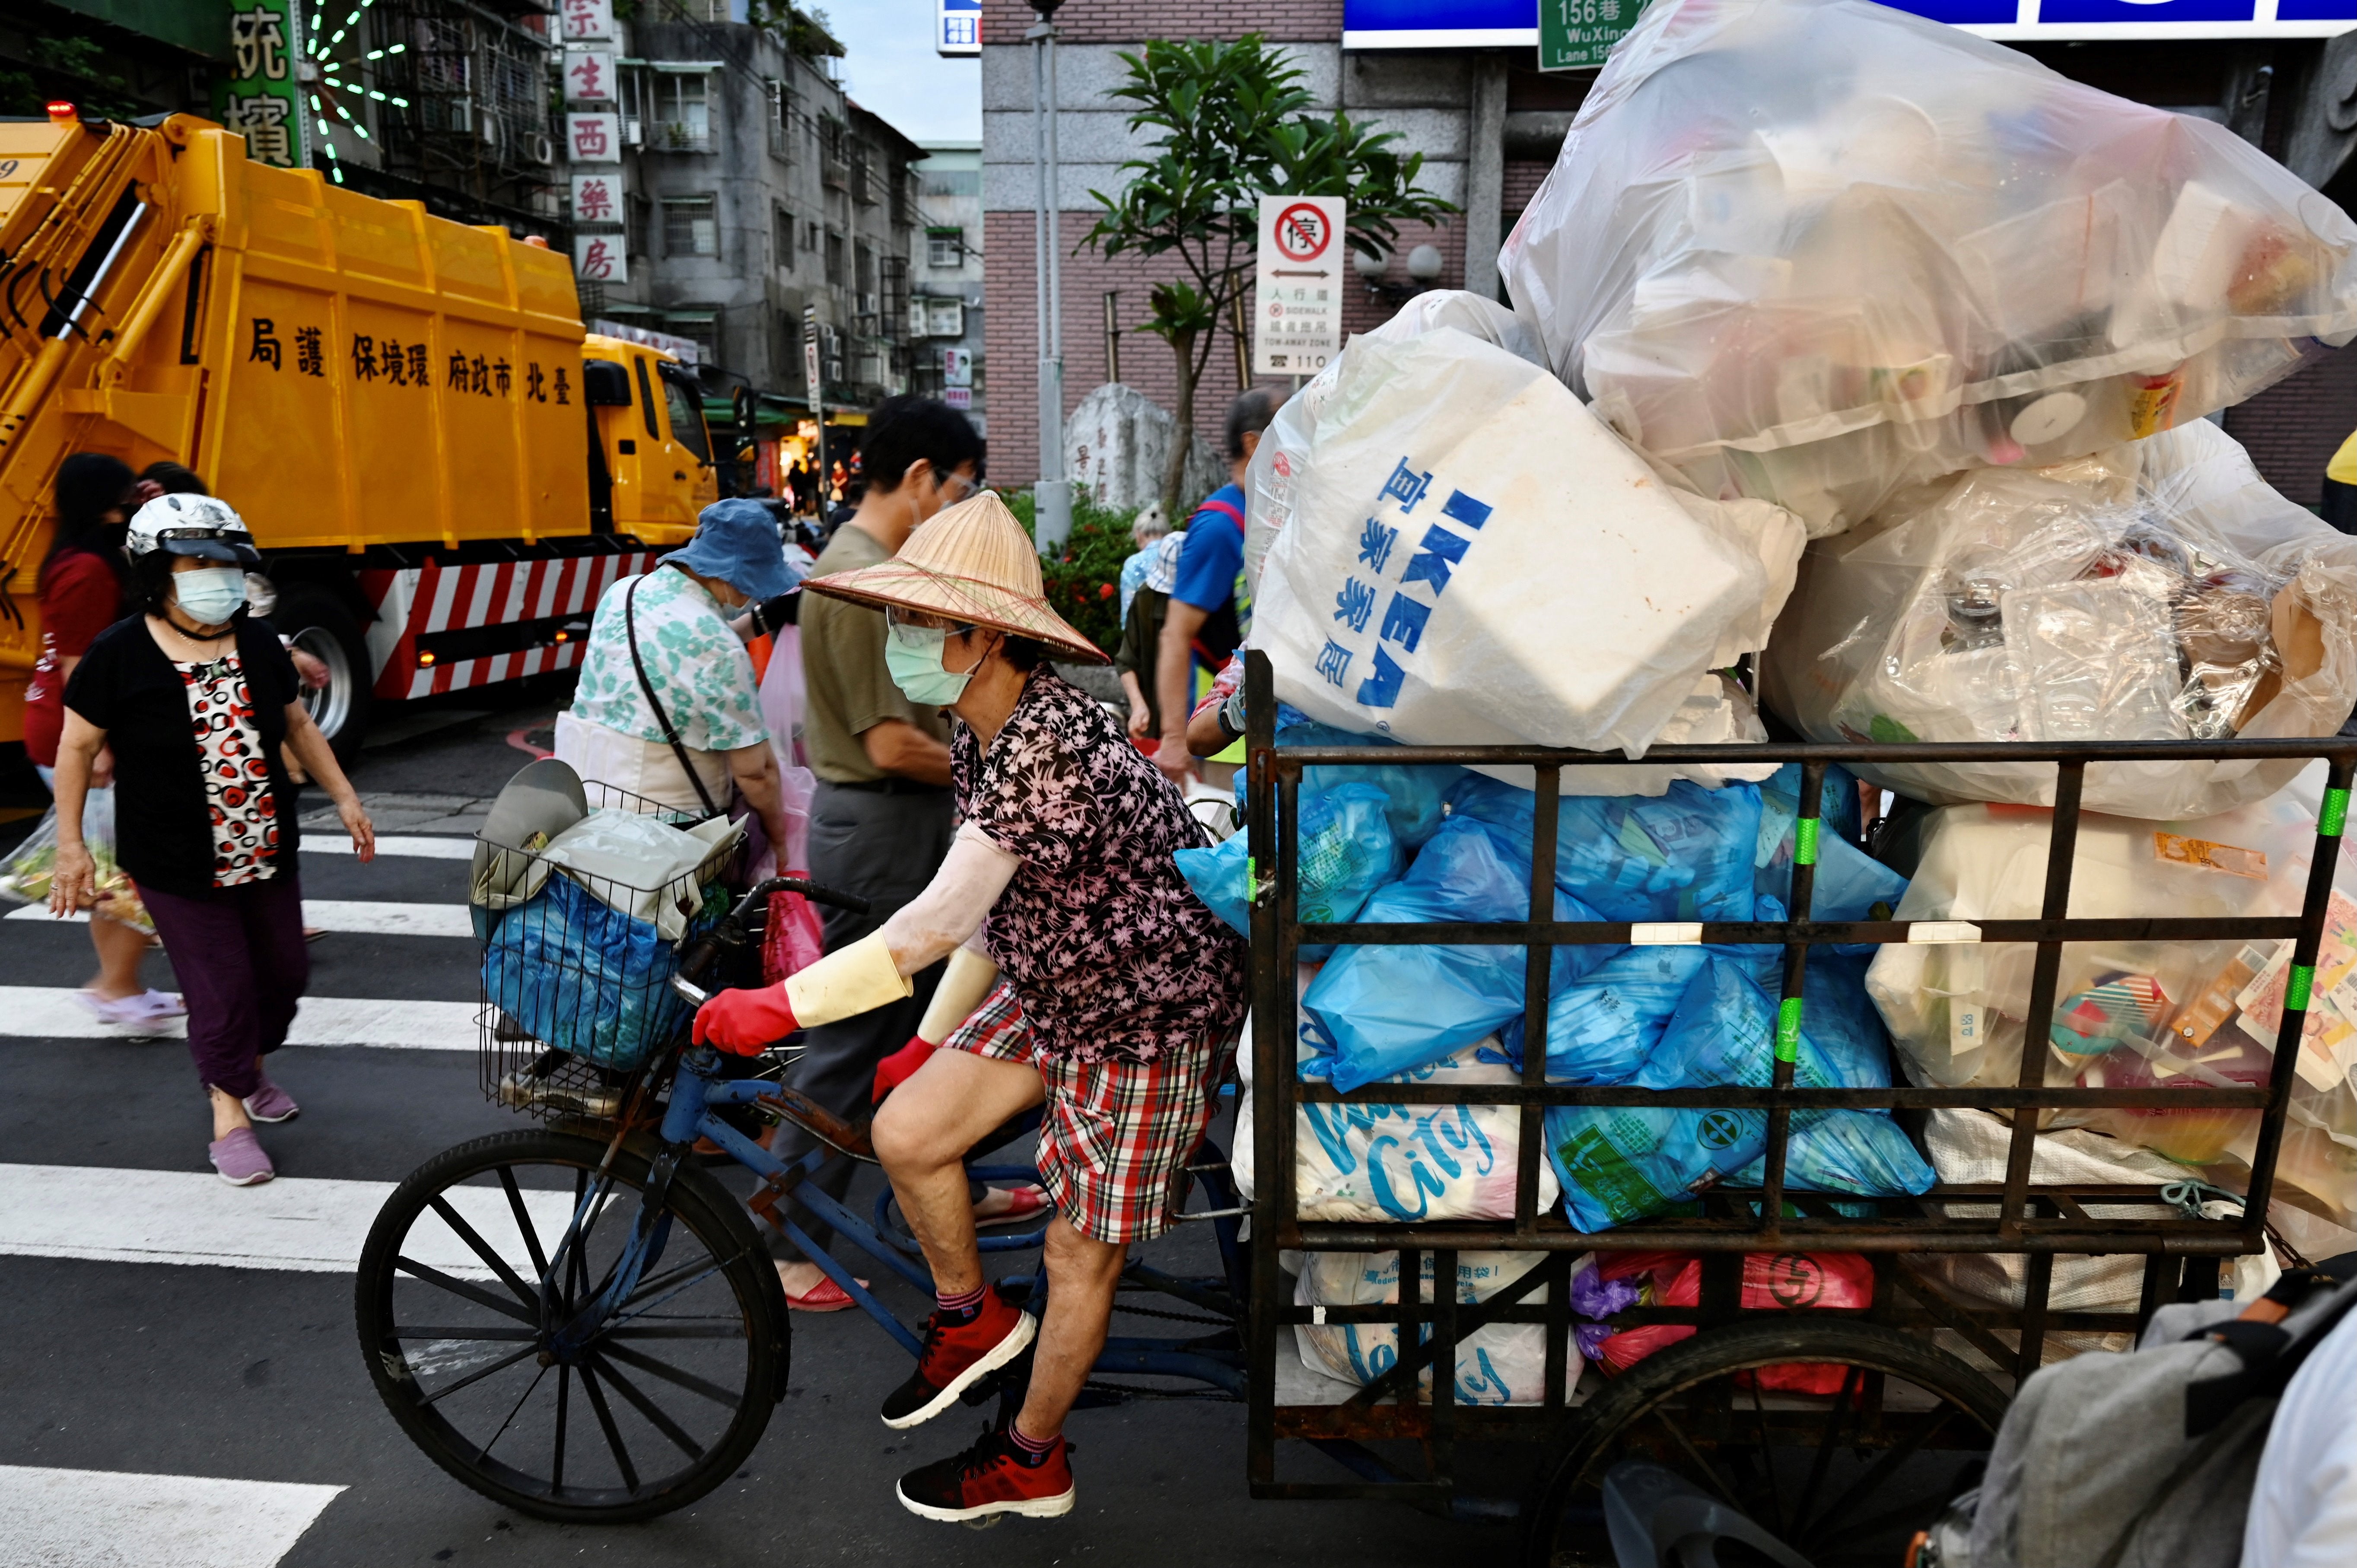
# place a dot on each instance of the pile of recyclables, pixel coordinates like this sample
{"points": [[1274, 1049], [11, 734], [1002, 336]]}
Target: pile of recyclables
{"points": [[1873, 356]]}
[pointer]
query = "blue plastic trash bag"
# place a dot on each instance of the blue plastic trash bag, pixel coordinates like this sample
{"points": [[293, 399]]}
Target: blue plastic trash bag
{"points": [[1620, 1162], [1602, 1027], [1346, 851], [1393, 1008], [1855, 1152], [587, 978], [1413, 793], [1837, 804], [1684, 856], [1724, 1031]]}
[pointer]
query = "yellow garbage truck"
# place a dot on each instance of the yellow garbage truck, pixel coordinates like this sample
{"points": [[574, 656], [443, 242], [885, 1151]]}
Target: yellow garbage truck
{"points": [[441, 469]]}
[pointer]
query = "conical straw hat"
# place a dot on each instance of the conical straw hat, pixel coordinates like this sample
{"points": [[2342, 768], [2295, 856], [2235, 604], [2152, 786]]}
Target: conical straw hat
{"points": [[971, 562]]}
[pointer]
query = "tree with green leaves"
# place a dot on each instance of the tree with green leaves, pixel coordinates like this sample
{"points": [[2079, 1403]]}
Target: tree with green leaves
{"points": [[1232, 127]]}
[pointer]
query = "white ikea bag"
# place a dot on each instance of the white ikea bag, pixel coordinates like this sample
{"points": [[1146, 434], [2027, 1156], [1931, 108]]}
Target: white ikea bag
{"points": [[1474, 558]]}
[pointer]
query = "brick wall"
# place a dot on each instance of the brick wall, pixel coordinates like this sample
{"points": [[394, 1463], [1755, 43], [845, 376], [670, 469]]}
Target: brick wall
{"points": [[2293, 428], [1124, 21], [1011, 331], [1524, 176]]}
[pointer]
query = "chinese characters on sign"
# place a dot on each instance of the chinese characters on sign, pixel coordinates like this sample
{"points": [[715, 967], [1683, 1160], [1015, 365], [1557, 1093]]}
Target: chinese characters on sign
{"points": [[1577, 33], [589, 76], [594, 138], [258, 100], [596, 199], [586, 20], [394, 363], [957, 28], [1297, 308], [600, 258], [1398, 627]]}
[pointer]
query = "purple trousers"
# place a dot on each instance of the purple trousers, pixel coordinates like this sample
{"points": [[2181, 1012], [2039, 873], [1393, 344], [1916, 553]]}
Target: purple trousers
{"points": [[239, 955]]}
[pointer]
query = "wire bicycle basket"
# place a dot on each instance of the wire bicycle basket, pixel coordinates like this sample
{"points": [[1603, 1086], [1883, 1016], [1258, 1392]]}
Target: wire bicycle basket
{"points": [[575, 981]]}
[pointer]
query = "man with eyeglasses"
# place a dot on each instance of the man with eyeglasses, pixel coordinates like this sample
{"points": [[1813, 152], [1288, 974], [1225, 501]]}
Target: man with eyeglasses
{"points": [[881, 822]]}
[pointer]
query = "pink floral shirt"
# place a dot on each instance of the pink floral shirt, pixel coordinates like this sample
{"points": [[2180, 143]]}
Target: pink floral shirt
{"points": [[1111, 953]]}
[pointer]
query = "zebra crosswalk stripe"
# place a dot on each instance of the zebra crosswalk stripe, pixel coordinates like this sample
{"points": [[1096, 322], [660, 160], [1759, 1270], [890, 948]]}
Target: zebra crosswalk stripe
{"points": [[55, 1012], [107, 1519]]}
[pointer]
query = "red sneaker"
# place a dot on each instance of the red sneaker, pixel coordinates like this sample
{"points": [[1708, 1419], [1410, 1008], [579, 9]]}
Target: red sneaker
{"points": [[956, 1356], [989, 1479]]}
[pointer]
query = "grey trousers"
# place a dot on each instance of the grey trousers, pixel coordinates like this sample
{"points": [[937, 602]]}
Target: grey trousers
{"points": [[885, 848]]}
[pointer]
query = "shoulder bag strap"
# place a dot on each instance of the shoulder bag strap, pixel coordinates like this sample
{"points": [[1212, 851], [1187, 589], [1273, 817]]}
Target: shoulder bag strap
{"points": [[670, 733]]}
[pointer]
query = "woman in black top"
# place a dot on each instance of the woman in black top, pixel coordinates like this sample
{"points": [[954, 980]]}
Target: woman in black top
{"points": [[196, 702]]}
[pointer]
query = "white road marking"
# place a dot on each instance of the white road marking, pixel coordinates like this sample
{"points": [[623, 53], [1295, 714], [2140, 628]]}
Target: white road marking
{"points": [[110, 1518], [368, 917], [305, 1224], [55, 1012], [330, 841]]}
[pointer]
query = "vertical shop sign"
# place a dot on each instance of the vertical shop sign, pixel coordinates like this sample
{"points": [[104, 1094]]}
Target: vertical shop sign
{"points": [[259, 98]]}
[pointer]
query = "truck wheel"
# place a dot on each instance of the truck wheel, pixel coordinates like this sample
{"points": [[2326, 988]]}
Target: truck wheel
{"points": [[317, 622]]}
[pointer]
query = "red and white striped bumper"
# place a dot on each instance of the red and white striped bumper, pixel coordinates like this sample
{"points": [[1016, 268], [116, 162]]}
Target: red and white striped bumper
{"points": [[418, 601]]}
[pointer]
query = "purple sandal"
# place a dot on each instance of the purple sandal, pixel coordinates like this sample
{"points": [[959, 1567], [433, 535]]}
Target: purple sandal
{"points": [[271, 1103], [239, 1159]]}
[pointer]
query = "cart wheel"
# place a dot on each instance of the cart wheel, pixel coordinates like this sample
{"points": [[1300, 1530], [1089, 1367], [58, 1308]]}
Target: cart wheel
{"points": [[1841, 1478], [467, 1284]]}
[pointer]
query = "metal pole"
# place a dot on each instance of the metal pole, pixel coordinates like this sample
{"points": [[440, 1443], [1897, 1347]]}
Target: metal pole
{"points": [[1055, 499], [1052, 496], [1112, 334]]}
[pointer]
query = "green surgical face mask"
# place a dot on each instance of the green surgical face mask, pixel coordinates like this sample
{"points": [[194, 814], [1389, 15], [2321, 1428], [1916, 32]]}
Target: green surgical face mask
{"points": [[914, 656]]}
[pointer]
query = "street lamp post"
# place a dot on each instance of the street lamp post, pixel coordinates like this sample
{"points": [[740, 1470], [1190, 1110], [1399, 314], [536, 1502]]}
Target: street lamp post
{"points": [[1052, 497]]}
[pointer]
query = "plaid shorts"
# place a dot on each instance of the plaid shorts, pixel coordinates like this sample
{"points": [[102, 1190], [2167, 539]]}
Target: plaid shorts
{"points": [[1114, 1133]]}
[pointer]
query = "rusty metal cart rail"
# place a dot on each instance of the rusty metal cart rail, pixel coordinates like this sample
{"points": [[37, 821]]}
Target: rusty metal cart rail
{"points": [[2032, 1221]]}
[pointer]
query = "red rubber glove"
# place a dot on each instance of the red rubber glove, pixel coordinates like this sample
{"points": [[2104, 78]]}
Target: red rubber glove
{"points": [[743, 1023], [901, 1065]]}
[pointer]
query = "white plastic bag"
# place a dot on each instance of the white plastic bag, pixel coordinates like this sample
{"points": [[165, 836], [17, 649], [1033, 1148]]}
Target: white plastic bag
{"points": [[1814, 250], [1285, 445], [644, 867], [782, 700], [1955, 1010], [2159, 591], [1504, 1363], [1451, 501], [1398, 1163]]}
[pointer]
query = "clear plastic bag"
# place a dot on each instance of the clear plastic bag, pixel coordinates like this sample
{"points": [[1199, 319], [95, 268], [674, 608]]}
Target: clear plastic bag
{"points": [[2155, 591], [24, 874], [1813, 250]]}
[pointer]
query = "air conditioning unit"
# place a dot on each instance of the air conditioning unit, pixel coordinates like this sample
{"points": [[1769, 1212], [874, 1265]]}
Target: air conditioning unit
{"points": [[870, 305], [541, 150], [488, 127]]}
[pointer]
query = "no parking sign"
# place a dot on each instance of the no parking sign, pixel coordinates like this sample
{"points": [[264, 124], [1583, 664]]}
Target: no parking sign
{"points": [[1298, 304]]}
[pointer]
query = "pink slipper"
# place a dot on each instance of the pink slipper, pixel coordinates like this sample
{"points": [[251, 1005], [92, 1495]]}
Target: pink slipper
{"points": [[1025, 1203], [271, 1103], [239, 1159]]}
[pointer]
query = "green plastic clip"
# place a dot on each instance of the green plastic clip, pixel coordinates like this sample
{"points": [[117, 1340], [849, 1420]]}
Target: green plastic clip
{"points": [[1251, 878], [2303, 979], [1805, 842], [1787, 1030], [2336, 813]]}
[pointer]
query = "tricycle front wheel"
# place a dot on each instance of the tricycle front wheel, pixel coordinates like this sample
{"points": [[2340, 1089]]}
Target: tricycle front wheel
{"points": [[472, 1295], [1840, 1438]]}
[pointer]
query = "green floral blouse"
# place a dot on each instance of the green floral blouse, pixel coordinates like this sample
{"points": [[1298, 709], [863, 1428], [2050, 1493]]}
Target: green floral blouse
{"points": [[700, 671]]}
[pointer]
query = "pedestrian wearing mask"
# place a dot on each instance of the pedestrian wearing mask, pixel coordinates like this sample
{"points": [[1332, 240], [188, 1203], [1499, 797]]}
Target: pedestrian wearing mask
{"points": [[195, 700], [881, 820], [84, 586], [668, 707]]}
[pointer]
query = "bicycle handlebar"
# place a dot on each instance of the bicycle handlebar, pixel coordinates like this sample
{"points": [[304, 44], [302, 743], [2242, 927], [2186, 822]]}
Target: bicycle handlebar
{"points": [[730, 932]]}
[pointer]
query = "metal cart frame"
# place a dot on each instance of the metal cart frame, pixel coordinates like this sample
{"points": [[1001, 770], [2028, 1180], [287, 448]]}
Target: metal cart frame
{"points": [[2034, 1221]]}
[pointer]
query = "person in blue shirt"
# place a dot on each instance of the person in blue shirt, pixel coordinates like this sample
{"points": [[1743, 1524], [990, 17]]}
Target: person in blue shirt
{"points": [[1208, 614]]}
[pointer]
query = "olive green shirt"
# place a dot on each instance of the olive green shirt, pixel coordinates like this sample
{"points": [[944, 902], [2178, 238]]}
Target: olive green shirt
{"points": [[848, 690]]}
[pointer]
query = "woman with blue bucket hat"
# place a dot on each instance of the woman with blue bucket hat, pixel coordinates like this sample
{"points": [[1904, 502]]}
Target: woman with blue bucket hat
{"points": [[668, 706]]}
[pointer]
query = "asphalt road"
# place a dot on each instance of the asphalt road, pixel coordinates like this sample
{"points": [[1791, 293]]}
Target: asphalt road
{"points": [[163, 1398]]}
